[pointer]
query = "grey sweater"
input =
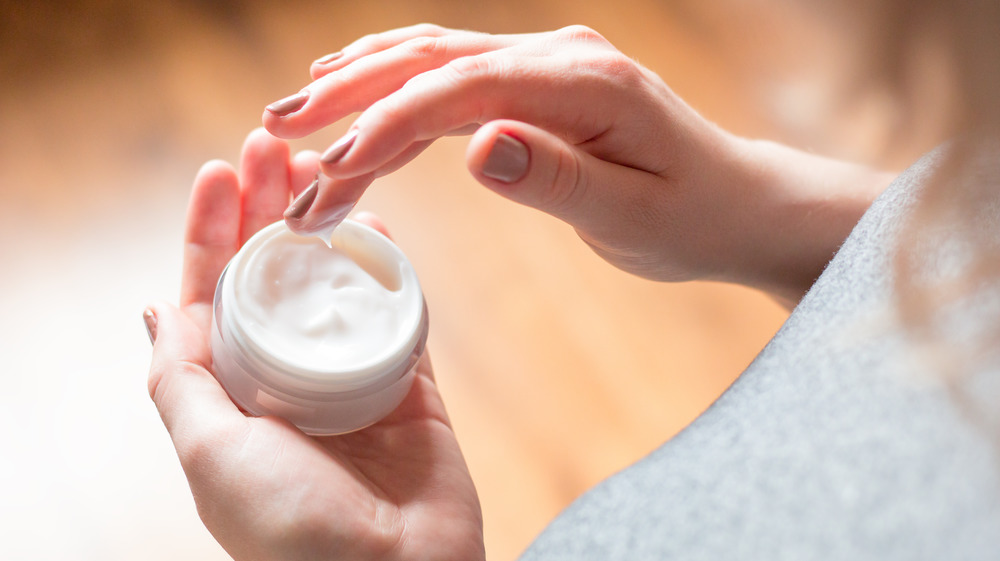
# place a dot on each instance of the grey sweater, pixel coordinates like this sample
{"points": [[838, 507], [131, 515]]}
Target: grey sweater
{"points": [[837, 442]]}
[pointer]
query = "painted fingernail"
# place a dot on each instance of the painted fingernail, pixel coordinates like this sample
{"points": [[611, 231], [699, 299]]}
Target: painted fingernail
{"points": [[332, 217], [339, 148], [289, 105], [328, 58], [300, 206], [149, 318], [507, 160]]}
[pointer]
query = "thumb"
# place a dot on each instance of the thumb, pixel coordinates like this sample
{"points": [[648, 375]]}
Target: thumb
{"points": [[186, 394], [533, 167]]}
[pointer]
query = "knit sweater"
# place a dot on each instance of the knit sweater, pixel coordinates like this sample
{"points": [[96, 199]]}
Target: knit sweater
{"points": [[837, 442]]}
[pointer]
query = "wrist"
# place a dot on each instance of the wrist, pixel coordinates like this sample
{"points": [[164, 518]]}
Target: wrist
{"points": [[798, 209]]}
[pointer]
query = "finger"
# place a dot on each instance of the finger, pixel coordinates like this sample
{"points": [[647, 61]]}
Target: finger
{"points": [[470, 90], [378, 42], [211, 234], [322, 206], [325, 204], [357, 85], [404, 158], [416, 149], [305, 166], [264, 180], [372, 221], [373, 43], [536, 168], [190, 400]]}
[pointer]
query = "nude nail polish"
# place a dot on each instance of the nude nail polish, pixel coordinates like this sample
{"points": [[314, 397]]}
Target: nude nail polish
{"points": [[328, 58], [326, 221], [289, 105], [339, 148], [300, 206], [507, 160], [149, 318]]}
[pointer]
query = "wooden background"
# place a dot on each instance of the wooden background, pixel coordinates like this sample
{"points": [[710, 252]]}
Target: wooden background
{"points": [[558, 370]]}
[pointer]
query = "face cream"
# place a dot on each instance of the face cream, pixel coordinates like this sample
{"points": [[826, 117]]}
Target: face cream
{"points": [[325, 336]]}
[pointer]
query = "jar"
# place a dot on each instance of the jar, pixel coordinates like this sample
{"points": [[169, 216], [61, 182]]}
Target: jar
{"points": [[325, 335]]}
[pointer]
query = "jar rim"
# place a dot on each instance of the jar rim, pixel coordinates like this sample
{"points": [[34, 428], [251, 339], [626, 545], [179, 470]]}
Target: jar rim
{"points": [[284, 370]]}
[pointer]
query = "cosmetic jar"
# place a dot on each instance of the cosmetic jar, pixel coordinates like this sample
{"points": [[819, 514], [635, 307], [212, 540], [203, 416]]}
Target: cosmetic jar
{"points": [[325, 335]]}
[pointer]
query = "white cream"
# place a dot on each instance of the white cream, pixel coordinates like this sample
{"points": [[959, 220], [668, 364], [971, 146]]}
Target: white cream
{"points": [[316, 308], [300, 324]]}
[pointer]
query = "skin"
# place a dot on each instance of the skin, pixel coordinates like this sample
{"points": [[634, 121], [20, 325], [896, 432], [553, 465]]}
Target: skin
{"points": [[649, 184], [397, 490]]}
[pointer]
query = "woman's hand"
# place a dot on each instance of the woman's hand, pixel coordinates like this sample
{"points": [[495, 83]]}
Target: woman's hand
{"points": [[565, 123], [399, 489]]}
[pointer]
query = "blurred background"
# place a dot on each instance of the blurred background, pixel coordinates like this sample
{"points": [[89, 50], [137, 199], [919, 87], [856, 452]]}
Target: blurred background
{"points": [[557, 369]]}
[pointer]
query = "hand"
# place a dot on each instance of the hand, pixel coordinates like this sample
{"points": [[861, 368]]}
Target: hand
{"points": [[399, 489], [565, 123]]}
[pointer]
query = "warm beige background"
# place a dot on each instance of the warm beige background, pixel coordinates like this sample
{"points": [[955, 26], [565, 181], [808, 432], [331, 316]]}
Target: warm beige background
{"points": [[558, 370]]}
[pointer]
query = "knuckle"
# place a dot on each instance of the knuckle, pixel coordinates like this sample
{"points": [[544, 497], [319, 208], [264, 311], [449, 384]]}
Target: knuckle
{"points": [[471, 67], [371, 41], [461, 78], [468, 74], [424, 46], [389, 109], [397, 108], [197, 453], [154, 381], [431, 29], [475, 76], [204, 449], [582, 34], [567, 185], [163, 376], [374, 42], [616, 66]]}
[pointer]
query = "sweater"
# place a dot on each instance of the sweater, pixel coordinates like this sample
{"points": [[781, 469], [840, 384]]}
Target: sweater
{"points": [[839, 441]]}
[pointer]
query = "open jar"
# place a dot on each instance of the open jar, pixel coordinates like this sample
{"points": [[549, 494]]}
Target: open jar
{"points": [[326, 336]]}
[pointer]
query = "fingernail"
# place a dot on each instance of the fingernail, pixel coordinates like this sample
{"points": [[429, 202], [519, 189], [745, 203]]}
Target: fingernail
{"points": [[339, 148], [328, 58], [149, 318], [289, 105], [507, 160], [333, 217], [300, 206]]}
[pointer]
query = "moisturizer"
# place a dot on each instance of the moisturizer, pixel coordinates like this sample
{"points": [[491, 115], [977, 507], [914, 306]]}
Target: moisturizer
{"points": [[324, 335]]}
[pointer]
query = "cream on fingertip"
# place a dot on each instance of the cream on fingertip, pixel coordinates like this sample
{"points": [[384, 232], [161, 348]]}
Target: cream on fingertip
{"points": [[305, 218]]}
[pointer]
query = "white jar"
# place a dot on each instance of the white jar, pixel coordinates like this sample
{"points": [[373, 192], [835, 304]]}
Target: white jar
{"points": [[327, 337]]}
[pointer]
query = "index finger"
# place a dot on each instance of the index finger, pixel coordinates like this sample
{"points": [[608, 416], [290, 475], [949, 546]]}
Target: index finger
{"points": [[371, 76]]}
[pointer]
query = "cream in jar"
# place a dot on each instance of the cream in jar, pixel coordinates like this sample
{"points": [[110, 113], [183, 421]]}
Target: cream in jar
{"points": [[324, 335]]}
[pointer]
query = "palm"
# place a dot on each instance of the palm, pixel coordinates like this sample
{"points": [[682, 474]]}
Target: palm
{"points": [[398, 489]]}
